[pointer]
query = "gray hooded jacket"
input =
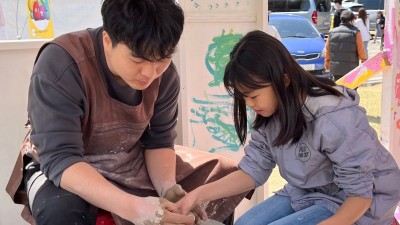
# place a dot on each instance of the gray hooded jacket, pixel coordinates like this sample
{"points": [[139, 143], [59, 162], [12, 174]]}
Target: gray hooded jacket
{"points": [[338, 155]]}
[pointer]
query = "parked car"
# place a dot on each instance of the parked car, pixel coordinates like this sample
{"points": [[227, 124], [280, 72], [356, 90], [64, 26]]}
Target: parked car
{"points": [[303, 41], [372, 6], [354, 7], [316, 11]]}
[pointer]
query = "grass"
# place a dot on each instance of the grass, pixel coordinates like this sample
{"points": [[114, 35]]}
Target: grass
{"points": [[370, 99]]}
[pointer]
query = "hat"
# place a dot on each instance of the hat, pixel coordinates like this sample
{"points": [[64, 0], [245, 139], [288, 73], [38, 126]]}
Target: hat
{"points": [[346, 16], [337, 1]]}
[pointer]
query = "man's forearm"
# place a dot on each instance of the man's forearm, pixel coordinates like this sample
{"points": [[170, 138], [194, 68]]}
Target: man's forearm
{"points": [[85, 181], [161, 166]]}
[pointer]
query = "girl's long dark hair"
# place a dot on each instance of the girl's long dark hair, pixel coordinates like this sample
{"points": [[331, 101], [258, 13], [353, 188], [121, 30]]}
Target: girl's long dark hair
{"points": [[362, 13], [258, 60]]}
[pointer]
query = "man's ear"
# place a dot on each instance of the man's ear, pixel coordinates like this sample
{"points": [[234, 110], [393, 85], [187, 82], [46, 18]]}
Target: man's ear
{"points": [[286, 79], [107, 40]]}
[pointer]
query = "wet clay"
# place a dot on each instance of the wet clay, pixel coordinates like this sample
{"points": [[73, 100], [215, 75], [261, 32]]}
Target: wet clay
{"points": [[151, 214]]}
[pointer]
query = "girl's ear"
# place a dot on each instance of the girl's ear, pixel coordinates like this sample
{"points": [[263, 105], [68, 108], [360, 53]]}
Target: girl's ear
{"points": [[286, 80]]}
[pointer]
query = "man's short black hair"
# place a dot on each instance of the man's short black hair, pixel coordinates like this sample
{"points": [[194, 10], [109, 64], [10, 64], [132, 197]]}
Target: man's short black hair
{"points": [[337, 1], [151, 29]]}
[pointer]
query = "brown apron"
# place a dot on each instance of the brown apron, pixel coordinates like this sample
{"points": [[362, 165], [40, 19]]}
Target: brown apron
{"points": [[111, 133]]}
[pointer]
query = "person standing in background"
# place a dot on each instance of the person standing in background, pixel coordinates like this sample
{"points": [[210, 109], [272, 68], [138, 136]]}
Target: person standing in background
{"points": [[382, 26], [362, 23], [336, 16], [378, 30], [344, 47]]}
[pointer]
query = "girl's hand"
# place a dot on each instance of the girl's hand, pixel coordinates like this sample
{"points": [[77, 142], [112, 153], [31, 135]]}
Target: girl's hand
{"points": [[191, 203], [175, 193], [155, 211]]}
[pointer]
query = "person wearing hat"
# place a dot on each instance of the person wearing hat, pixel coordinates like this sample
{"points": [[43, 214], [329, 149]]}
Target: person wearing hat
{"points": [[344, 47], [336, 16]]}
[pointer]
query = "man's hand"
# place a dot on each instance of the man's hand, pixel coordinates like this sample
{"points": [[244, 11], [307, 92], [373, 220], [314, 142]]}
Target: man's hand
{"points": [[155, 211], [176, 193]]}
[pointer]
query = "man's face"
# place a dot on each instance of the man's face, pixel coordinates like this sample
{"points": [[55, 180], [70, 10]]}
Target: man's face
{"points": [[136, 72], [337, 5]]}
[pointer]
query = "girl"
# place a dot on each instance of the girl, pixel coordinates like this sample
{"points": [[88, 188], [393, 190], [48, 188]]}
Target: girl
{"points": [[378, 30], [336, 169], [382, 26], [362, 23]]}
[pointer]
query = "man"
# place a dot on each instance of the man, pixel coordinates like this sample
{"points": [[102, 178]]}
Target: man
{"points": [[336, 15], [103, 110], [344, 47]]}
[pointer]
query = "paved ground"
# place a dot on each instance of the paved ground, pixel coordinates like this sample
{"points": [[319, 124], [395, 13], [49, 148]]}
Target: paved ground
{"points": [[373, 48]]}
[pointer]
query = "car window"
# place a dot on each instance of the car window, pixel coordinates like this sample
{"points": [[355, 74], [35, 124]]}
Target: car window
{"points": [[288, 6], [294, 28], [323, 5], [372, 4], [355, 8], [277, 5]]}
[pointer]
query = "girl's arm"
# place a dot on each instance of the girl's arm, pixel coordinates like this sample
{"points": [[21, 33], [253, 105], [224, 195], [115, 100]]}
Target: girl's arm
{"points": [[350, 211], [352, 146], [232, 184]]}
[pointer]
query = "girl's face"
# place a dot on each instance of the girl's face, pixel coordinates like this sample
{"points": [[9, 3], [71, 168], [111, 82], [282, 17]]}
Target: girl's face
{"points": [[263, 101]]}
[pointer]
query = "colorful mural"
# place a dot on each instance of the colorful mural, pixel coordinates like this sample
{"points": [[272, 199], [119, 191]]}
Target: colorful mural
{"points": [[215, 114], [392, 47], [217, 55], [390, 29], [214, 111]]}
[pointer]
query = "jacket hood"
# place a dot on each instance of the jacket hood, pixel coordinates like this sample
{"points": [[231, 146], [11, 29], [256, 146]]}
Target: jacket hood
{"points": [[315, 107]]}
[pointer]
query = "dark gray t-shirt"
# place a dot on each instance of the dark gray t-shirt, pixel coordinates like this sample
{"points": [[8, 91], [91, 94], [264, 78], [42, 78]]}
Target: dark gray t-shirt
{"points": [[56, 107]]}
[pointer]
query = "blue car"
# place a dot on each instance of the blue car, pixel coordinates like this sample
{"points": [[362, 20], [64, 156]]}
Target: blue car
{"points": [[303, 41]]}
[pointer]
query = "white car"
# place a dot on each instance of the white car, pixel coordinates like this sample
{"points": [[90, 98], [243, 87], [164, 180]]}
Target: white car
{"points": [[372, 6], [354, 7]]}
